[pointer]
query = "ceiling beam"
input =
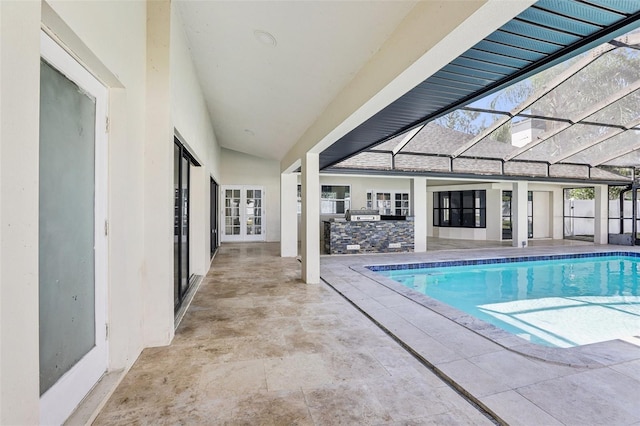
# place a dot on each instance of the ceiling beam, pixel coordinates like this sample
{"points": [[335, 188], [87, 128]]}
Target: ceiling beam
{"points": [[410, 135], [619, 154]]}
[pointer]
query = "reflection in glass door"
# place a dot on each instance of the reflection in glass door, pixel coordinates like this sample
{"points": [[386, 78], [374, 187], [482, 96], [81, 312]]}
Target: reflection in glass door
{"points": [[232, 212], [507, 227], [213, 219], [253, 209], [244, 214], [182, 163]]}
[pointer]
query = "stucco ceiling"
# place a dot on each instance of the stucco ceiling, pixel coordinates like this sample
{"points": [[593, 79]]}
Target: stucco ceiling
{"points": [[262, 98]]}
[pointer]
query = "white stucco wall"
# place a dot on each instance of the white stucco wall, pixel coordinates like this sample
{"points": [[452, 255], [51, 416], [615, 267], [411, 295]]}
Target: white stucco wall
{"points": [[111, 39], [243, 169], [19, 121], [190, 117]]}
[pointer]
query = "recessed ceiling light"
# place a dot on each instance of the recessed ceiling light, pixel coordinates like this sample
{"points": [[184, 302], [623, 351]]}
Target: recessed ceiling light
{"points": [[249, 132], [265, 38]]}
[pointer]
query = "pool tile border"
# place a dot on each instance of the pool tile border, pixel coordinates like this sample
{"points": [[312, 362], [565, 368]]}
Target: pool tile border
{"points": [[496, 260]]}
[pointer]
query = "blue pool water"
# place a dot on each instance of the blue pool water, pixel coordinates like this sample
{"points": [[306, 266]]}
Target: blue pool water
{"points": [[561, 302]]}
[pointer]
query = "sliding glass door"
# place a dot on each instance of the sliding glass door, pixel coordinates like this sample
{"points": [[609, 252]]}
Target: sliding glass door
{"points": [[181, 171], [214, 216]]}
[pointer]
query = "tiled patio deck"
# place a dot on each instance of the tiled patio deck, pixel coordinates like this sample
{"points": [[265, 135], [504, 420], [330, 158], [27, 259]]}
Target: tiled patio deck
{"points": [[257, 346]]}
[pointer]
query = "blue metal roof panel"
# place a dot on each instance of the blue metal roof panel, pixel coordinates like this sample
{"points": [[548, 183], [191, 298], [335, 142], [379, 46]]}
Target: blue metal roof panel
{"points": [[484, 65], [581, 11], [623, 6], [507, 50], [516, 40], [558, 22], [504, 60], [516, 26]]}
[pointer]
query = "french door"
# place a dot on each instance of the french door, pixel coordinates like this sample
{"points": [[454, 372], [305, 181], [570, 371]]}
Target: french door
{"points": [[244, 213], [72, 227]]}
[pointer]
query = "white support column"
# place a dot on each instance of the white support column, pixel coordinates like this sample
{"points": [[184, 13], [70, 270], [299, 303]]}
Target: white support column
{"points": [[311, 218], [494, 214], [288, 215], [199, 249], [519, 214], [157, 323], [557, 208], [19, 144], [419, 213], [601, 213]]}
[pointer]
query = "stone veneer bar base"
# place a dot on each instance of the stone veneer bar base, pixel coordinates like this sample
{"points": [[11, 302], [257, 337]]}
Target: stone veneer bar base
{"points": [[371, 236]]}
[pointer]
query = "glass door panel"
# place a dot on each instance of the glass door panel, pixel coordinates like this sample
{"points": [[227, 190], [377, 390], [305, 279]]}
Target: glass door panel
{"points": [[177, 218], [507, 231], [184, 240], [181, 186], [232, 212], [72, 242], [66, 266], [213, 218], [253, 210]]}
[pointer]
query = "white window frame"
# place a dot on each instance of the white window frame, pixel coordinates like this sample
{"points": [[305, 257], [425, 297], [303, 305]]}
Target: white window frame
{"points": [[372, 195], [243, 236]]}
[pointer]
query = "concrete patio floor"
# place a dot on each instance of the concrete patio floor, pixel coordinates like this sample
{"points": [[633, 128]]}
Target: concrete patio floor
{"points": [[257, 346]]}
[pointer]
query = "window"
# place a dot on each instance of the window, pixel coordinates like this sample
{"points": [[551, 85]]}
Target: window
{"points": [[402, 204], [389, 203], [461, 209], [335, 199]]}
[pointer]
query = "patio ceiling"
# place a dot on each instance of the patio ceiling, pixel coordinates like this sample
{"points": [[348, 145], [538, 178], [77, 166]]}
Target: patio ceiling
{"points": [[552, 93]]}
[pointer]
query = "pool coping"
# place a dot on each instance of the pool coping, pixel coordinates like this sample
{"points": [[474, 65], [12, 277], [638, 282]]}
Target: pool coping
{"points": [[460, 353], [573, 356]]}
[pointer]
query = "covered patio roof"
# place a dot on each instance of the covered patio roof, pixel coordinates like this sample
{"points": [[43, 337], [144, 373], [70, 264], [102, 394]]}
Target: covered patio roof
{"points": [[551, 94]]}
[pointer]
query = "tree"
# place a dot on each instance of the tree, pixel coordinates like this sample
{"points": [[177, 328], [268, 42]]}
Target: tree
{"points": [[461, 120]]}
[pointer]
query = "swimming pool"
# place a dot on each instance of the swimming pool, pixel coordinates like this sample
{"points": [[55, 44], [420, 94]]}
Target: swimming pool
{"points": [[558, 301]]}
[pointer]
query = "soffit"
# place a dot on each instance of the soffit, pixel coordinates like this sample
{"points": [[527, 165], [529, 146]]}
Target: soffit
{"points": [[262, 98]]}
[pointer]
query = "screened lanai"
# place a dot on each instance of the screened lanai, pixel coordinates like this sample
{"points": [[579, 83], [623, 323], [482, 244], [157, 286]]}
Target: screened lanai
{"points": [[579, 119]]}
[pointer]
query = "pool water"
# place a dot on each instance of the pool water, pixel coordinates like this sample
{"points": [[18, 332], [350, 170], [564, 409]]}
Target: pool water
{"points": [[560, 303]]}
